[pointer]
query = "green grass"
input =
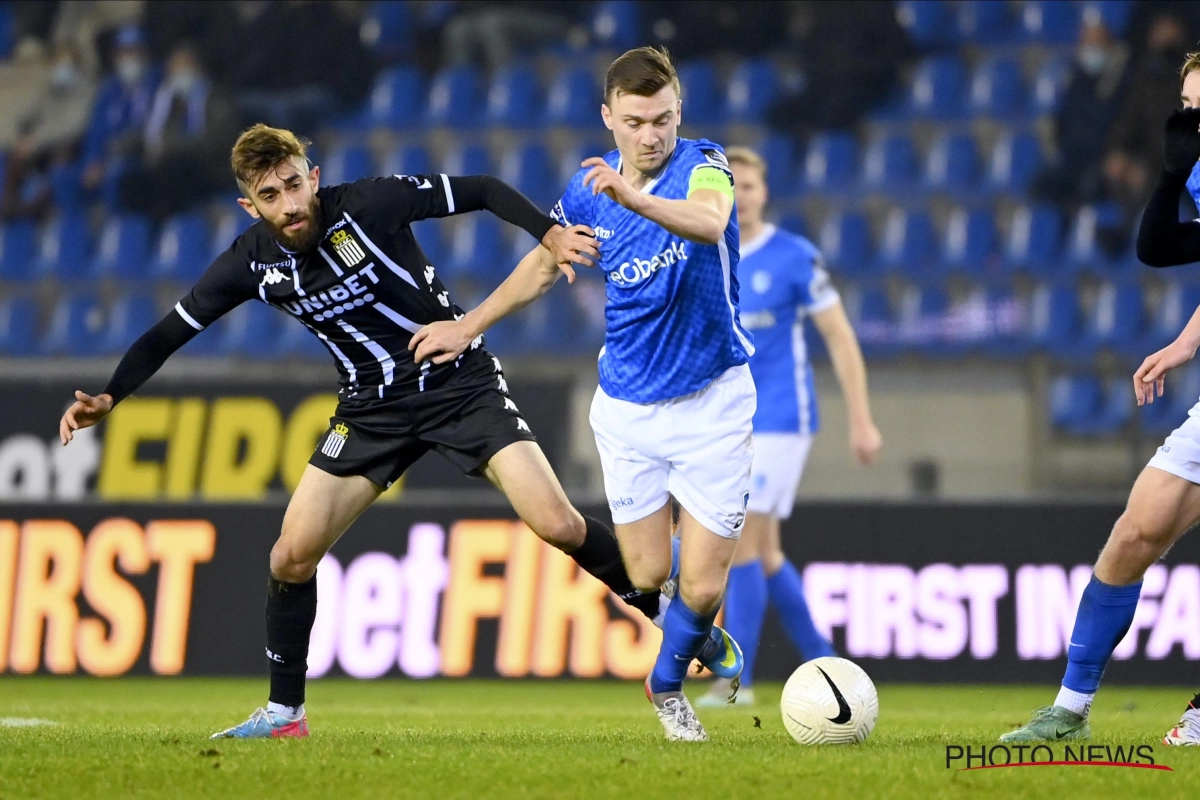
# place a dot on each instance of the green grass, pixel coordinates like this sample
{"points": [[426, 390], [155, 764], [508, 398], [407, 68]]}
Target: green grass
{"points": [[149, 738]]}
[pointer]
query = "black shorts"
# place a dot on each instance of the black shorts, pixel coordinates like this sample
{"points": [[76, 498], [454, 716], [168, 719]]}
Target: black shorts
{"points": [[468, 419]]}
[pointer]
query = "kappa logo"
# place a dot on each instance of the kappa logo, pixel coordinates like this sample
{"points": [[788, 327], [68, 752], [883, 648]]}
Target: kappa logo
{"points": [[274, 276], [346, 248], [335, 440]]}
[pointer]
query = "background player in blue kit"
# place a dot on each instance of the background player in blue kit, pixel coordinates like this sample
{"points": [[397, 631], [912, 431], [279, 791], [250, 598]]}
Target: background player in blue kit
{"points": [[784, 283], [674, 410]]}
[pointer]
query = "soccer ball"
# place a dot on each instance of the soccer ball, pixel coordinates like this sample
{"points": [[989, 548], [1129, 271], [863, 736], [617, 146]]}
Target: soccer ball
{"points": [[829, 701]]}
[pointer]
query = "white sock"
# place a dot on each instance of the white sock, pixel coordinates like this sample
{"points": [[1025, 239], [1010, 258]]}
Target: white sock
{"points": [[1079, 702], [290, 712], [663, 602]]}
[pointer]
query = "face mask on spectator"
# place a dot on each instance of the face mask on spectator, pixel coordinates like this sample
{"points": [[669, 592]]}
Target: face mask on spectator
{"points": [[1093, 58], [63, 75], [184, 81], [130, 69]]}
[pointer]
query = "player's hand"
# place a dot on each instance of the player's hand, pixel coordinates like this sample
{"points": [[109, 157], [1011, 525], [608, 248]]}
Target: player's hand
{"points": [[441, 341], [603, 178], [865, 442], [1181, 141], [574, 245], [85, 412], [1150, 377]]}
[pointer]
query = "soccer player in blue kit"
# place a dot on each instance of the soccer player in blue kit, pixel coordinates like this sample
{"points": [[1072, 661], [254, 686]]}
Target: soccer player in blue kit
{"points": [[674, 410], [784, 282]]}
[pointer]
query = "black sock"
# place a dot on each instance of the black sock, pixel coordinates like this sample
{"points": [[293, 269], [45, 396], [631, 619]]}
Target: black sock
{"points": [[1195, 702], [600, 556], [291, 610]]}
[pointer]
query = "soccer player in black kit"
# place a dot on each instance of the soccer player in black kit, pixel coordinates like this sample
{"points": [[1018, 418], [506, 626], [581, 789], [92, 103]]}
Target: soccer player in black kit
{"points": [[343, 261]]}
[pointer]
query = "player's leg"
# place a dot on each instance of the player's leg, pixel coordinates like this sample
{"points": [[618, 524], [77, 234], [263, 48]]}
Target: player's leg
{"points": [[786, 590], [1161, 507], [521, 471], [321, 509]]}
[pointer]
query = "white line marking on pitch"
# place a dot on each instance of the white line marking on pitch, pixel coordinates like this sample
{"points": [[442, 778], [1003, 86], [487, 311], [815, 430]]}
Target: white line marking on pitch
{"points": [[24, 722]]}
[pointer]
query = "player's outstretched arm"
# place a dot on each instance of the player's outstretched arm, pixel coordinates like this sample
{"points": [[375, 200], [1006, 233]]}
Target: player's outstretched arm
{"points": [[701, 218], [446, 340], [851, 370], [1150, 377], [1164, 241]]}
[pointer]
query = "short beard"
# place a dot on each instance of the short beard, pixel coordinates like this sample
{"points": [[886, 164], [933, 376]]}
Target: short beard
{"points": [[305, 241]]}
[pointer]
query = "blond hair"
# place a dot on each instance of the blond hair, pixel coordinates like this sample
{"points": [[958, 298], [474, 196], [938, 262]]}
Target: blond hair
{"points": [[1190, 64], [260, 149], [747, 158], [642, 71]]}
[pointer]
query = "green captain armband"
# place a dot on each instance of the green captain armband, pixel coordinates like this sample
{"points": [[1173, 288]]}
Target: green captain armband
{"points": [[705, 177]]}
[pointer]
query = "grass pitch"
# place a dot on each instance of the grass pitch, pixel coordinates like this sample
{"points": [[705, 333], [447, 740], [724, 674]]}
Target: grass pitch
{"points": [[149, 738]]}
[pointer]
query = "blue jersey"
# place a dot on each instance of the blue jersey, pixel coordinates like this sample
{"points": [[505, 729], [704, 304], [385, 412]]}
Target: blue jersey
{"points": [[785, 283], [672, 305], [1193, 184]]}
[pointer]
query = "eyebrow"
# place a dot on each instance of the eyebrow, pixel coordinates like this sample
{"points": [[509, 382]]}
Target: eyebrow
{"points": [[636, 118]]}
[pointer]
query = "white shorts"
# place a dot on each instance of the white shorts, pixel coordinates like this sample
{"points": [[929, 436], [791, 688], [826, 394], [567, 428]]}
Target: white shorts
{"points": [[1180, 453], [778, 464], [697, 448]]}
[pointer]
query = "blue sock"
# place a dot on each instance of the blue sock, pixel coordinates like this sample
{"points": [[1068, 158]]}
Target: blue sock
{"points": [[745, 605], [787, 595], [1104, 615], [684, 633]]}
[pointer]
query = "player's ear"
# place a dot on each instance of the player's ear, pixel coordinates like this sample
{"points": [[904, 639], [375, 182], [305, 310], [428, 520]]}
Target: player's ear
{"points": [[606, 115], [249, 207], [314, 177]]}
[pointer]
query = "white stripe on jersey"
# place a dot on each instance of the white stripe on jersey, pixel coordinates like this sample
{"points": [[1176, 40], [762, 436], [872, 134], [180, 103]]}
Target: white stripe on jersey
{"points": [[399, 319], [800, 359], [333, 264], [725, 270], [188, 317], [296, 278], [381, 355], [449, 194], [347, 363], [402, 273]]}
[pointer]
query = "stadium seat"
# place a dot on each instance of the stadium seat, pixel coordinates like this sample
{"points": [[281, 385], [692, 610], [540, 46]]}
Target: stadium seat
{"points": [[409, 159], [830, 163], [1054, 319], [514, 98], [1050, 21], [927, 22], [1115, 14], [997, 90], [969, 246], [1008, 322], [1167, 412], [1033, 238], [1116, 320], [908, 244], [455, 98], [845, 241], [870, 314], [124, 249], [528, 169], [1074, 402], [251, 330], [617, 24], [18, 247], [18, 325], [182, 251], [8, 31], [1049, 86], [549, 326], [64, 247], [346, 164], [937, 88], [921, 321], [985, 22], [477, 249], [752, 88], [387, 30], [66, 186], [472, 159], [431, 235], [1084, 252], [76, 326], [574, 99], [890, 164], [1170, 315], [398, 99], [701, 92], [793, 223], [778, 151], [131, 315], [230, 225], [297, 341], [952, 164], [573, 156], [1015, 160]]}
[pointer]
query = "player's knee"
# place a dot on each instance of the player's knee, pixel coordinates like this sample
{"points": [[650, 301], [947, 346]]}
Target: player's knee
{"points": [[1141, 530], [565, 529], [291, 564], [702, 595]]}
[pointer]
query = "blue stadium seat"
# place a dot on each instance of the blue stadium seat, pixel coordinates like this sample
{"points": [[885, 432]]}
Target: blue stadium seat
{"points": [[76, 326], [794, 223], [701, 92], [408, 159], [1054, 319], [398, 99], [455, 98], [1115, 14], [230, 225], [908, 244], [66, 186], [431, 235], [1050, 21], [997, 89], [970, 243], [18, 325], [549, 326], [927, 22], [952, 164], [1015, 160], [574, 99], [131, 315], [1116, 321], [985, 22], [8, 30], [183, 248], [779, 153], [1049, 86], [752, 88], [573, 156], [65, 247], [387, 30], [1083, 251], [617, 24], [1170, 315], [1008, 323], [831, 161], [937, 88], [871, 316], [124, 249], [1167, 412], [477, 250], [514, 98], [921, 322], [1074, 402], [890, 164], [472, 159], [845, 241], [297, 341], [1116, 407], [1033, 238], [346, 164], [251, 330], [528, 169], [18, 248]]}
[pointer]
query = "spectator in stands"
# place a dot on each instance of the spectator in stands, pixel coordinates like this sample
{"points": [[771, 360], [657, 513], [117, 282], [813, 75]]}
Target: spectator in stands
{"points": [[500, 30], [85, 21], [185, 142], [1085, 117], [119, 115], [49, 135]]}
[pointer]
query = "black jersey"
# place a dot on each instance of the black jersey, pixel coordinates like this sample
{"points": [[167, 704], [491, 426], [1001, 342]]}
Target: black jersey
{"points": [[364, 290]]}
